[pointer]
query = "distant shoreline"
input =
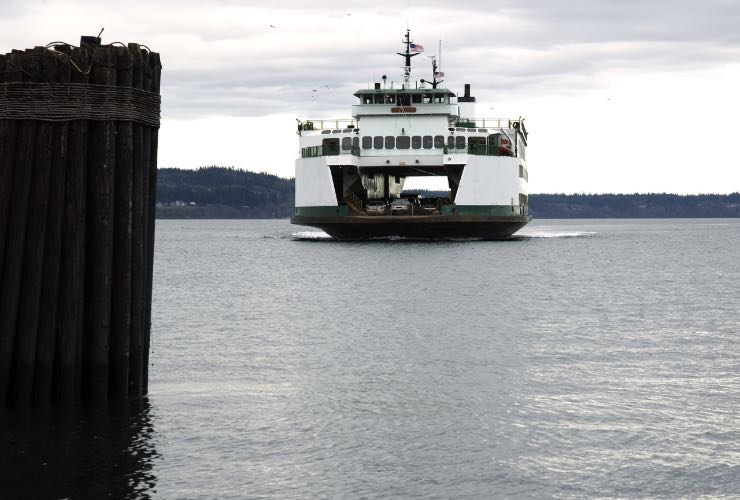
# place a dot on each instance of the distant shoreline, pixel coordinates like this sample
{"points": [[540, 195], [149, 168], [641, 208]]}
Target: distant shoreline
{"points": [[228, 193], [545, 206]]}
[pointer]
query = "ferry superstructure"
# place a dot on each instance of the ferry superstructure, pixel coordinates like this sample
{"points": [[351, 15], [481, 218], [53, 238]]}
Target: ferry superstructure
{"points": [[350, 174]]}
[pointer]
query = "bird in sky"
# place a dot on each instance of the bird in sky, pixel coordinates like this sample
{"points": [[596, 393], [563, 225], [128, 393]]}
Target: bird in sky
{"points": [[271, 26]]}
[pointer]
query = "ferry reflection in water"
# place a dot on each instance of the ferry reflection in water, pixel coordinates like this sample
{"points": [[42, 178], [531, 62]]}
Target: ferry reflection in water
{"points": [[78, 453]]}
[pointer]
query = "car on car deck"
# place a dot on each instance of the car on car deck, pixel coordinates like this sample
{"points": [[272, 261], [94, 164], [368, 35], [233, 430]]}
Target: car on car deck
{"points": [[375, 207], [400, 206]]}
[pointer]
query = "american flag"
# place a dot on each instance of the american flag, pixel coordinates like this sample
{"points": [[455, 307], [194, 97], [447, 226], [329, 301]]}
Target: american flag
{"points": [[439, 74], [415, 47]]}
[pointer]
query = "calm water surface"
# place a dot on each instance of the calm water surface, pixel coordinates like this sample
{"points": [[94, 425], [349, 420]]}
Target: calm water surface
{"points": [[584, 359]]}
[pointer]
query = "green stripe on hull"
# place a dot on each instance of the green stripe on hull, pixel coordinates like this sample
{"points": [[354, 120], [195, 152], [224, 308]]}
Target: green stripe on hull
{"points": [[321, 211], [448, 210], [483, 210]]}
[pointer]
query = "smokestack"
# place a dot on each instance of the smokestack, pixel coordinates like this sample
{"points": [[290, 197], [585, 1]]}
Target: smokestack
{"points": [[467, 97], [377, 86]]}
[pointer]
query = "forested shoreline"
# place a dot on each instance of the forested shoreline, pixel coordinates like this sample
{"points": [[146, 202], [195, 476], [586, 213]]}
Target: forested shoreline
{"points": [[229, 193], [222, 193]]}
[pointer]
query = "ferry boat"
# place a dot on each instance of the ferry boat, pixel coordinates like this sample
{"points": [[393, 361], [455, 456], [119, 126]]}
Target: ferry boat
{"points": [[350, 174]]}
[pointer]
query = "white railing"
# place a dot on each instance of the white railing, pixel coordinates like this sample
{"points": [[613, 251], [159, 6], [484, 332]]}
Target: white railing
{"points": [[342, 123], [349, 123]]}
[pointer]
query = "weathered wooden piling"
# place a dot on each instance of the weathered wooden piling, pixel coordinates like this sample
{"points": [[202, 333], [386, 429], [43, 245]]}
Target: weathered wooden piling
{"points": [[122, 249], [78, 148], [47, 329]]}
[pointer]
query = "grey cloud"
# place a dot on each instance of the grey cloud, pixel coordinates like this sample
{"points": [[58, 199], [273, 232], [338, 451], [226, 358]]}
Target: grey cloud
{"points": [[574, 21], [238, 65]]}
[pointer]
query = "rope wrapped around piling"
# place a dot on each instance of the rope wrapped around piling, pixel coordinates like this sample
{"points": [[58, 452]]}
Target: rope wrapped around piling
{"points": [[59, 102]]}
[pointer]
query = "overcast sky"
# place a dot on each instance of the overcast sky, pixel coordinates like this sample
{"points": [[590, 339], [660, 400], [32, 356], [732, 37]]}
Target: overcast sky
{"points": [[619, 96]]}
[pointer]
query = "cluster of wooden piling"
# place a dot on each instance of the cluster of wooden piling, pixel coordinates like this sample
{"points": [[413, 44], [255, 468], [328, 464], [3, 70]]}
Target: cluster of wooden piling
{"points": [[77, 201]]}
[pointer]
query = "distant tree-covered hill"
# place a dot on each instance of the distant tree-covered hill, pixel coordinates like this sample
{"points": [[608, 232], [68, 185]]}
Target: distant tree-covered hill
{"points": [[635, 206], [222, 193], [627, 206], [228, 193]]}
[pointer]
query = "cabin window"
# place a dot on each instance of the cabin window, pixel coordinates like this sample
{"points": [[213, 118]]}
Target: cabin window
{"points": [[378, 142], [521, 150], [390, 99], [440, 99], [451, 141], [483, 130], [426, 98], [346, 143], [416, 98], [460, 142], [379, 99], [439, 141], [416, 142], [477, 145], [367, 142], [404, 100], [326, 131], [427, 142], [390, 142], [403, 142], [367, 99], [336, 131], [461, 129], [330, 146], [356, 142]]}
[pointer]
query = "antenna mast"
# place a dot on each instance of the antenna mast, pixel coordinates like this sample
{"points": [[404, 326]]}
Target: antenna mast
{"points": [[440, 55], [435, 74], [408, 55]]}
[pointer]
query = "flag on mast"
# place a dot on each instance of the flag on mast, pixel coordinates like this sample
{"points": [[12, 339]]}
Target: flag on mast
{"points": [[415, 47]]}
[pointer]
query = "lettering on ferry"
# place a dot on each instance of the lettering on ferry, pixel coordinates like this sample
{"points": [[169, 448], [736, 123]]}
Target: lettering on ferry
{"points": [[404, 109]]}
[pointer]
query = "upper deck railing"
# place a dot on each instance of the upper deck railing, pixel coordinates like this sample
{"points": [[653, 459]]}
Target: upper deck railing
{"points": [[507, 123], [346, 124], [349, 124]]}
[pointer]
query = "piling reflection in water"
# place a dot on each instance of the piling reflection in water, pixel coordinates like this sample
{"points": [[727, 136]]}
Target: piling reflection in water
{"points": [[100, 452]]}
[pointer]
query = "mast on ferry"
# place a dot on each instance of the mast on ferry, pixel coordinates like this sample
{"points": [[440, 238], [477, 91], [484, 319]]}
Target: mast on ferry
{"points": [[408, 55], [435, 73]]}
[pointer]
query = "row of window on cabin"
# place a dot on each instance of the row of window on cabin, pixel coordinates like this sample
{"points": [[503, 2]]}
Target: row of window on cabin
{"points": [[408, 142], [402, 142], [415, 142], [404, 99]]}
